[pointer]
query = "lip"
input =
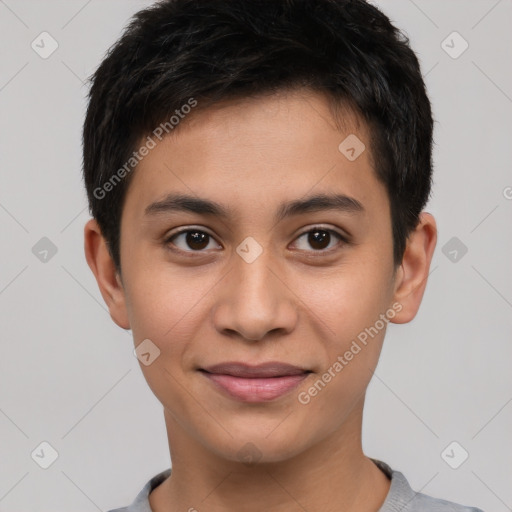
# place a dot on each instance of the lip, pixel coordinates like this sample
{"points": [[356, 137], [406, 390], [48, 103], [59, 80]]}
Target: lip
{"points": [[255, 383]]}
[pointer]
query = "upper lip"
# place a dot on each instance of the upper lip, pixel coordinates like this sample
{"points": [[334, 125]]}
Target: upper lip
{"points": [[265, 370]]}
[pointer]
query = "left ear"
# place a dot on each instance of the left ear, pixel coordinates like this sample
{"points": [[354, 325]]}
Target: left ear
{"points": [[411, 277]]}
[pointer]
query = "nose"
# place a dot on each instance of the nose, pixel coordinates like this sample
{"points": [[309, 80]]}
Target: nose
{"points": [[255, 300]]}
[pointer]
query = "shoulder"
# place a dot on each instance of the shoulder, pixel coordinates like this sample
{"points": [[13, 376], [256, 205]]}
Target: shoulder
{"points": [[402, 498], [423, 503], [141, 502]]}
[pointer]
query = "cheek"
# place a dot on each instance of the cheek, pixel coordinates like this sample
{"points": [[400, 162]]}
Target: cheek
{"points": [[353, 309], [159, 302], [171, 307], [164, 308], [348, 300]]}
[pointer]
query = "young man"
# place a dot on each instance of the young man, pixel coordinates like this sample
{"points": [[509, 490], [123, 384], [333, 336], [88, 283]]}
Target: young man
{"points": [[257, 172]]}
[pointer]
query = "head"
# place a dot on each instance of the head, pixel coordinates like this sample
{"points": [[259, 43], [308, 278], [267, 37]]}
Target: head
{"points": [[256, 172]]}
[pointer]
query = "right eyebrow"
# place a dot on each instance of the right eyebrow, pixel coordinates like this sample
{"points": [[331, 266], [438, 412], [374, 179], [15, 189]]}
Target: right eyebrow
{"points": [[201, 206]]}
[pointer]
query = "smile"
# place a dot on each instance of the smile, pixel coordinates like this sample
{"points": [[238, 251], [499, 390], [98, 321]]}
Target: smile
{"points": [[255, 383]]}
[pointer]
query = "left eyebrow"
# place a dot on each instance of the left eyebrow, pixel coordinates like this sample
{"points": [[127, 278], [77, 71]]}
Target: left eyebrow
{"points": [[316, 203]]}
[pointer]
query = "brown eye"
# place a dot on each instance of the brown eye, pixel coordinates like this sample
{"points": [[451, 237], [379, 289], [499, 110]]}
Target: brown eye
{"points": [[190, 240], [196, 240], [319, 239]]}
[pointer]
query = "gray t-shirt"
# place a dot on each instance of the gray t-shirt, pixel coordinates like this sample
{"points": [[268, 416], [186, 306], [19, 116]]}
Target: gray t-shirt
{"points": [[400, 498]]}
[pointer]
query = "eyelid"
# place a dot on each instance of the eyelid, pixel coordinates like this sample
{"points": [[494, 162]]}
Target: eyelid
{"points": [[344, 237], [187, 228], [168, 237]]}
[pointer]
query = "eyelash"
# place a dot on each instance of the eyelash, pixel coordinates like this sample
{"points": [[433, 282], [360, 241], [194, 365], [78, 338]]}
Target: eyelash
{"points": [[344, 240]]}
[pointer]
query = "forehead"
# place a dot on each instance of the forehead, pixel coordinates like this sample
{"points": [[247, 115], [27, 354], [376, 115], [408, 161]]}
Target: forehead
{"points": [[252, 152], [301, 111]]}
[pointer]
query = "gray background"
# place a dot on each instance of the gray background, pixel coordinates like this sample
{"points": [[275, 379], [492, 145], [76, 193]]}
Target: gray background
{"points": [[67, 372]]}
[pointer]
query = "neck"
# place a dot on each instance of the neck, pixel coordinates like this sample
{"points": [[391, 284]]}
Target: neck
{"points": [[332, 475]]}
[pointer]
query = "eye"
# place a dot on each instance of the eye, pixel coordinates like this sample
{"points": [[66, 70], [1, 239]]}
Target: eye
{"points": [[319, 239], [194, 239]]}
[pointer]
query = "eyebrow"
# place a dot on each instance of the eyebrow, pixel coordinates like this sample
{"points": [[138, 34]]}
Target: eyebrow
{"points": [[316, 203]]}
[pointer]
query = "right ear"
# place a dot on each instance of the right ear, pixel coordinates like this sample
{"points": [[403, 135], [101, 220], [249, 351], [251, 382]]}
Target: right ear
{"points": [[102, 265]]}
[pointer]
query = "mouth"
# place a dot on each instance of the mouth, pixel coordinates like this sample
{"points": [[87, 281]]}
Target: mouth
{"points": [[260, 383]]}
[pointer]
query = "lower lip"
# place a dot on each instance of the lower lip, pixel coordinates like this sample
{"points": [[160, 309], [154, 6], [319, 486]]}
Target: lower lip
{"points": [[256, 390]]}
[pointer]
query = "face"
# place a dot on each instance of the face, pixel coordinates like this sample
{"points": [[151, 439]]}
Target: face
{"points": [[264, 274]]}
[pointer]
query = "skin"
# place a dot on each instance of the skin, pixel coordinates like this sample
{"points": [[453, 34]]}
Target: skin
{"points": [[296, 303]]}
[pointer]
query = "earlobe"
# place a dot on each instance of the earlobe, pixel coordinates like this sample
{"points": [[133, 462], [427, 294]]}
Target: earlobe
{"points": [[411, 277], [102, 265]]}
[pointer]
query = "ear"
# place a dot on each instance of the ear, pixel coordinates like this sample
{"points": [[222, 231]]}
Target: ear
{"points": [[102, 265], [411, 277]]}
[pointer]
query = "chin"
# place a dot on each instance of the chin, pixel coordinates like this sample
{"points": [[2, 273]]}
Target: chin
{"points": [[256, 446]]}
